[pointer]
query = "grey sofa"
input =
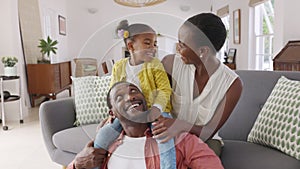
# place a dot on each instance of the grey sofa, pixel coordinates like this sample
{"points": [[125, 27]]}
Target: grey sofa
{"points": [[63, 140]]}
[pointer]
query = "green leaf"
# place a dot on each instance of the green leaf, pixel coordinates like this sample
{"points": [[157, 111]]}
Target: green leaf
{"points": [[47, 46]]}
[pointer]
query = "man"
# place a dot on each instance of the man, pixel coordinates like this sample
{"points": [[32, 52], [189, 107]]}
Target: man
{"points": [[135, 148]]}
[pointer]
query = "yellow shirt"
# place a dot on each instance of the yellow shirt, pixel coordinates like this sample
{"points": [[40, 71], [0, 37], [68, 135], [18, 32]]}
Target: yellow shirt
{"points": [[154, 82]]}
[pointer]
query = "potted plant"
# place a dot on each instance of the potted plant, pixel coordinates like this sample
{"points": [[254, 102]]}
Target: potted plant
{"points": [[9, 63], [47, 47]]}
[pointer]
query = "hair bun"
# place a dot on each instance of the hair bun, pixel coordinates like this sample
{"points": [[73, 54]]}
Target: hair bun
{"points": [[123, 25]]}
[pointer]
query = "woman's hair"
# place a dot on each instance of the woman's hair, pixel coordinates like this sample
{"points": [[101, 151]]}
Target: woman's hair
{"points": [[133, 29], [212, 30]]}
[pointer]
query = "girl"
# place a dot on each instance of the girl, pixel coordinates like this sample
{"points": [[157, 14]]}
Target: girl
{"points": [[146, 72]]}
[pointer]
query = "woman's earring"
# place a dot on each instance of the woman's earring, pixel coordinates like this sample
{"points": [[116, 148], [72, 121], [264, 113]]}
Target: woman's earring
{"points": [[201, 56]]}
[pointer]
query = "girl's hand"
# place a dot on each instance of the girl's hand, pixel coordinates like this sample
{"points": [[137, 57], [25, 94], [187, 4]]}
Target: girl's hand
{"points": [[167, 128]]}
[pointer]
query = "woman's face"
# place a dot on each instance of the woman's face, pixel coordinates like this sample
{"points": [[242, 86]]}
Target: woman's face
{"points": [[144, 46], [186, 45]]}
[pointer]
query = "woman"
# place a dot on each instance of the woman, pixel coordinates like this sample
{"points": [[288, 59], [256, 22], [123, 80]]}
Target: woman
{"points": [[205, 91]]}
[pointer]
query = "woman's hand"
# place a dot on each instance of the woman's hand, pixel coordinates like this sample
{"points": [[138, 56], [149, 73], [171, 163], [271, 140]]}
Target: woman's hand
{"points": [[90, 157], [168, 128]]}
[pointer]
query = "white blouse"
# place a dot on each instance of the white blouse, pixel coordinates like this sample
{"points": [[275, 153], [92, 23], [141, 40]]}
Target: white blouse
{"points": [[200, 110]]}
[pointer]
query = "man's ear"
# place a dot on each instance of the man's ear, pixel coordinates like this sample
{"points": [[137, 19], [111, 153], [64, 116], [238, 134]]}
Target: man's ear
{"points": [[110, 112], [112, 115], [130, 45]]}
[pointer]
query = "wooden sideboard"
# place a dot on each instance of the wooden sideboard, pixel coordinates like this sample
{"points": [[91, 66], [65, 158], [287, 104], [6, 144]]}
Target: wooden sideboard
{"points": [[231, 65], [48, 80], [288, 58]]}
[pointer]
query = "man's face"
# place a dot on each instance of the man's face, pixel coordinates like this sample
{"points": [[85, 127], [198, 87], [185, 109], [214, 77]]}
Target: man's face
{"points": [[128, 103]]}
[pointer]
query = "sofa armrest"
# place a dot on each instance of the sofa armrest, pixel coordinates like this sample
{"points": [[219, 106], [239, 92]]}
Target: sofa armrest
{"points": [[56, 115]]}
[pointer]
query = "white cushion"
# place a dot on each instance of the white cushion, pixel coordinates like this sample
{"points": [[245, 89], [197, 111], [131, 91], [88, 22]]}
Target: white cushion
{"points": [[90, 98], [278, 123]]}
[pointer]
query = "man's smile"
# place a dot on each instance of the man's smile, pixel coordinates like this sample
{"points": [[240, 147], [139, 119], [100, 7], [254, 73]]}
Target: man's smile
{"points": [[137, 105]]}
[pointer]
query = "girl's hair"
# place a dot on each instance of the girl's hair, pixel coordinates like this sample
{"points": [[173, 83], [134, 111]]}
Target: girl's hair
{"points": [[133, 29], [212, 30]]}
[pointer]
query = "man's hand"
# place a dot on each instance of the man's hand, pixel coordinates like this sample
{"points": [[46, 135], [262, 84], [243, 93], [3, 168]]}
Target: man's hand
{"points": [[90, 157]]}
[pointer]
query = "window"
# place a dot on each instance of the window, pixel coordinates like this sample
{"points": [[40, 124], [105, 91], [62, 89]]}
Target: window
{"points": [[225, 47], [223, 13], [264, 35]]}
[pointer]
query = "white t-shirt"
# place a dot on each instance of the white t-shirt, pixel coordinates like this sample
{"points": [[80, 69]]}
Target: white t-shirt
{"points": [[132, 74], [129, 155]]}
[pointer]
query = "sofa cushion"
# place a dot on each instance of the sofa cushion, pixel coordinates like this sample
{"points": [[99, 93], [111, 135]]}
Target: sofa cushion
{"points": [[245, 155], [74, 139], [90, 98], [277, 125]]}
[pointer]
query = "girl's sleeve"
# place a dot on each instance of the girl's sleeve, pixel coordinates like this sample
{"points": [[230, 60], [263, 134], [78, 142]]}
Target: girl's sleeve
{"points": [[113, 75], [164, 89], [117, 73]]}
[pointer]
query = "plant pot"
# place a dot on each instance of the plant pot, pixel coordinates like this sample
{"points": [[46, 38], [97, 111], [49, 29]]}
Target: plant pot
{"points": [[45, 60], [10, 71]]}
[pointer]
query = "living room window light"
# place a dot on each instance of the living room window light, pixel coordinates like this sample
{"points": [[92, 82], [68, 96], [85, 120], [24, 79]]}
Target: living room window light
{"points": [[223, 13], [264, 35], [225, 47]]}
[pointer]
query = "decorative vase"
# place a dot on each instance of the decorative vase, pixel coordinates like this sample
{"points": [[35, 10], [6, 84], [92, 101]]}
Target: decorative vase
{"points": [[10, 71], [44, 60]]}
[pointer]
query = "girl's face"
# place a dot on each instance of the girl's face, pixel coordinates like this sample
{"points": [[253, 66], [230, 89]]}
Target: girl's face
{"points": [[144, 46], [186, 46]]}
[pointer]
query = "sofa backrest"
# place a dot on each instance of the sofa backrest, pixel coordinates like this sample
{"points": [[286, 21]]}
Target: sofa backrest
{"points": [[257, 86]]}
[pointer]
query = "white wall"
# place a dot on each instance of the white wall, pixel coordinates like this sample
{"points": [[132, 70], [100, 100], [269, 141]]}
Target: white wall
{"points": [[10, 45], [242, 59], [99, 28], [291, 24], [286, 27], [51, 9]]}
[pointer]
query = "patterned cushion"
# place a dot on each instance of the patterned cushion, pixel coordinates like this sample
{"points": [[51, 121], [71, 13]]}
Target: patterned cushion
{"points": [[90, 98], [278, 123]]}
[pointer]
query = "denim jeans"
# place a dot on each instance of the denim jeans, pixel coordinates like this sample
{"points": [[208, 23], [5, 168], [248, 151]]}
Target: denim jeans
{"points": [[113, 130], [167, 151]]}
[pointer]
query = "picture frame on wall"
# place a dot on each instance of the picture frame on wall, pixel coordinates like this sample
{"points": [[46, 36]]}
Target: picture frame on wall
{"points": [[237, 26], [231, 55], [62, 25]]}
